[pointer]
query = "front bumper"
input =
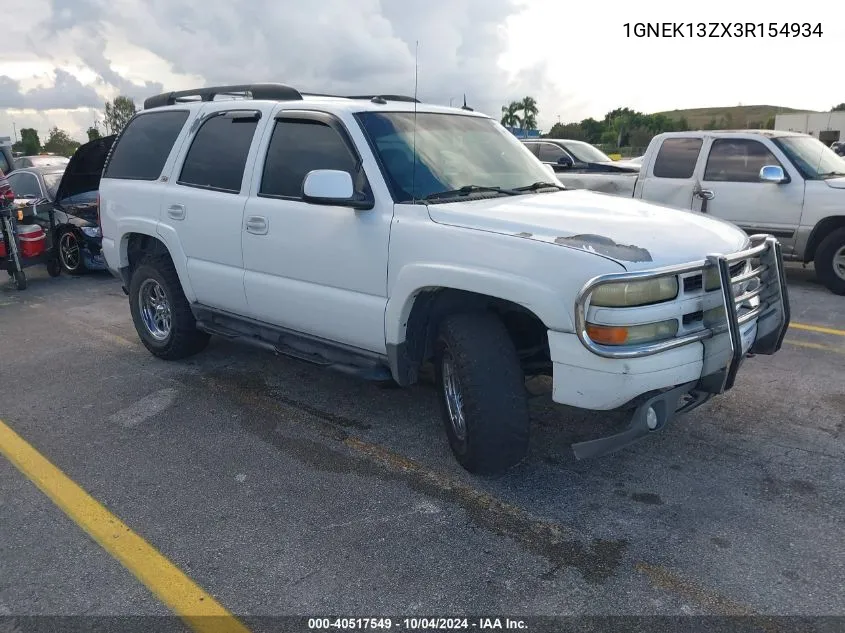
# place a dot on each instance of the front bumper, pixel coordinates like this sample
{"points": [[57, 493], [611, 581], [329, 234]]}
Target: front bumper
{"points": [[674, 376]]}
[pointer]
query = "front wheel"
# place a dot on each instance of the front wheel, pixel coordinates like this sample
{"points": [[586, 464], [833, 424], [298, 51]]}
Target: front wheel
{"points": [[830, 262], [161, 313], [482, 393], [70, 253], [20, 279]]}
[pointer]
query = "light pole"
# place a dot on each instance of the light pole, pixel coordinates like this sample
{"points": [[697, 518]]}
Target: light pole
{"points": [[15, 131]]}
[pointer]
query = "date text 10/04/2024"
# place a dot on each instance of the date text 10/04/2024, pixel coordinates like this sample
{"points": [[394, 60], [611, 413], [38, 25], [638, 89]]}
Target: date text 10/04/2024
{"points": [[722, 29], [418, 624]]}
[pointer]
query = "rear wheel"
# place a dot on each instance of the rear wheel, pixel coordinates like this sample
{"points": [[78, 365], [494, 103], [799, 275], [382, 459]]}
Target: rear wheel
{"points": [[482, 393], [160, 311], [830, 261], [54, 267]]}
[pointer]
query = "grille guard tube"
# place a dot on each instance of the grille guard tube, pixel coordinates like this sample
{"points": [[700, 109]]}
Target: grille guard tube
{"points": [[773, 312]]}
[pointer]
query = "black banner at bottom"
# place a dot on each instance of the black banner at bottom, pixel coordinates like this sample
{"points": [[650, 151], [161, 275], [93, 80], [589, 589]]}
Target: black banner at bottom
{"points": [[297, 624]]}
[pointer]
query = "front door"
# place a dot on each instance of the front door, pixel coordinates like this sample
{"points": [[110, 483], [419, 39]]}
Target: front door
{"points": [[732, 174], [315, 269]]}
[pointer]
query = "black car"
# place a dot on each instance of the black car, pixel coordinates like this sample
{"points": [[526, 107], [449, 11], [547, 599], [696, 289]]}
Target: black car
{"points": [[72, 191], [576, 156]]}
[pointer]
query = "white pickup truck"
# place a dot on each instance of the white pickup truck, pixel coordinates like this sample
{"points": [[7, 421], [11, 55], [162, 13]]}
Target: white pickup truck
{"points": [[376, 234], [785, 184]]}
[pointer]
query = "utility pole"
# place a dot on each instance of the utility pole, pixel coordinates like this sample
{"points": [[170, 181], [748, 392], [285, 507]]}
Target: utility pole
{"points": [[15, 131]]}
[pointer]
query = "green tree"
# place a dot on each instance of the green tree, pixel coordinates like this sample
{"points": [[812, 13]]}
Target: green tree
{"points": [[510, 115], [59, 142], [30, 144], [93, 133], [572, 131], [770, 123], [839, 108], [529, 108], [118, 113]]}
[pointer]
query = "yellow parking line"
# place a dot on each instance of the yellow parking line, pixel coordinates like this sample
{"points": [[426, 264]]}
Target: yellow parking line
{"points": [[825, 348], [185, 598], [817, 328]]}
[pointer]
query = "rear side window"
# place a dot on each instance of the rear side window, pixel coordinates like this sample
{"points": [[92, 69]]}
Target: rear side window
{"points": [[677, 158], [218, 153], [298, 147], [737, 160], [550, 153], [143, 147]]}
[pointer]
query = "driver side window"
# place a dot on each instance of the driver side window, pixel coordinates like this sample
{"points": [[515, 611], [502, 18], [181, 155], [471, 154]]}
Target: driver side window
{"points": [[25, 185], [550, 153], [737, 160]]}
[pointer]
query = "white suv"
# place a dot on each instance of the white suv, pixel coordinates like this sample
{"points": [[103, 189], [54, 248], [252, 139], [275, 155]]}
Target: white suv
{"points": [[377, 234]]}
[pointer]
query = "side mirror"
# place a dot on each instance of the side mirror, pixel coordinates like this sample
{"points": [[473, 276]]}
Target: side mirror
{"points": [[772, 173], [332, 187], [564, 161]]}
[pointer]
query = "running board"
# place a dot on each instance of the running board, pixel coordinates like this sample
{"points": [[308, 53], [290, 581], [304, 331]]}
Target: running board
{"points": [[292, 344]]}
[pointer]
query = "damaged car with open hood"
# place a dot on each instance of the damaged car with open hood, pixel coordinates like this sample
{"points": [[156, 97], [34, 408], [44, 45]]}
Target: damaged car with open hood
{"points": [[377, 235]]}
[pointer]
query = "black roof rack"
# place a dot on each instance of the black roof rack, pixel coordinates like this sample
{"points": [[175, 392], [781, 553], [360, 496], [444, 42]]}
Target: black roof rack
{"points": [[270, 92], [273, 92]]}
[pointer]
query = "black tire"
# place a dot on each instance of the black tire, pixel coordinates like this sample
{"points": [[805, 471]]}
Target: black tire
{"points": [[71, 266], [54, 267], [830, 247], [183, 339], [20, 279], [477, 348]]}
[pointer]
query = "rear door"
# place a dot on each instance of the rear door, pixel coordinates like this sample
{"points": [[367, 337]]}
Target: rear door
{"points": [[670, 178], [204, 201], [731, 174]]}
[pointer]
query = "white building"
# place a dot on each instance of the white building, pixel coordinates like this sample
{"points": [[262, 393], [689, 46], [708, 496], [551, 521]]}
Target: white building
{"points": [[825, 126]]}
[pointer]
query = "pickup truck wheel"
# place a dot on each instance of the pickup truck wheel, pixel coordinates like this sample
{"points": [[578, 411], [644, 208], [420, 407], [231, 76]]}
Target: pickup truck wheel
{"points": [[482, 389], [161, 313], [830, 262]]}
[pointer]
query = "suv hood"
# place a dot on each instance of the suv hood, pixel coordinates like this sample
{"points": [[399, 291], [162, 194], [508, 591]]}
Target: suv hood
{"points": [[83, 172], [637, 235]]}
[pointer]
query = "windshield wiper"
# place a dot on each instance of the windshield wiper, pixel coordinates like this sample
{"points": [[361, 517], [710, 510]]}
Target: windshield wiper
{"points": [[832, 173], [466, 190], [540, 185]]}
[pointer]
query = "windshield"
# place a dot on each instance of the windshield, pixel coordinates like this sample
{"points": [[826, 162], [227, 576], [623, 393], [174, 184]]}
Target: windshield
{"points": [[452, 151], [51, 182], [813, 158], [586, 153]]}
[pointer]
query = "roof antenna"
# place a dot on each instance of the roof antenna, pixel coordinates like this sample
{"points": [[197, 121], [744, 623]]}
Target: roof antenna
{"points": [[416, 81], [465, 106]]}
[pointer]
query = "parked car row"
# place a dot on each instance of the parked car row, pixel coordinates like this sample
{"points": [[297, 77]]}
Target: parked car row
{"points": [[67, 187], [786, 184]]}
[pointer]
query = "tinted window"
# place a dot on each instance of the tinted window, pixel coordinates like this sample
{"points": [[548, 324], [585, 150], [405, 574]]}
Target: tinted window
{"points": [[550, 153], [677, 158], [218, 152], [534, 147], [4, 164], [25, 185], [298, 147], [737, 160], [144, 146]]}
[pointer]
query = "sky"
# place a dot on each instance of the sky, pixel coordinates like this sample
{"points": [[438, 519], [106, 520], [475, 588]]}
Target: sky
{"points": [[60, 60]]}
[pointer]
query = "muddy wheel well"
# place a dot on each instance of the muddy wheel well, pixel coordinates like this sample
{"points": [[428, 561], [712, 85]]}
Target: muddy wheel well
{"points": [[528, 333], [821, 231]]}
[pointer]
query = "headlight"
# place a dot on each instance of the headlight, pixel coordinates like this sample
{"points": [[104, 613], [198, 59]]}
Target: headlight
{"points": [[635, 293], [632, 334], [91, 231]]}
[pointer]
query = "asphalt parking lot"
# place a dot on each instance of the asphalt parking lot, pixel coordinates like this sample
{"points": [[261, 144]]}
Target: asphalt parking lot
{"points": [[283, 489]]}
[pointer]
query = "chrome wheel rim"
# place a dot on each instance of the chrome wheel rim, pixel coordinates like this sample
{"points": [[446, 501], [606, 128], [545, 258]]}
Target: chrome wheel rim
{"points": [[839, 263], [155, 309], [454, 397], [69, 251]]}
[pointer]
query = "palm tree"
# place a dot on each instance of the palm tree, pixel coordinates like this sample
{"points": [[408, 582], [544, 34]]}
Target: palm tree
{"points": [[529, 108], [510, 116]]}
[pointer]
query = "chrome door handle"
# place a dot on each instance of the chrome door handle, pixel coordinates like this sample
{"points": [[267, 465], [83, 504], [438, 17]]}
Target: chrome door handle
{"points": [[176, 211], [256, 225], [706, 194]]}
